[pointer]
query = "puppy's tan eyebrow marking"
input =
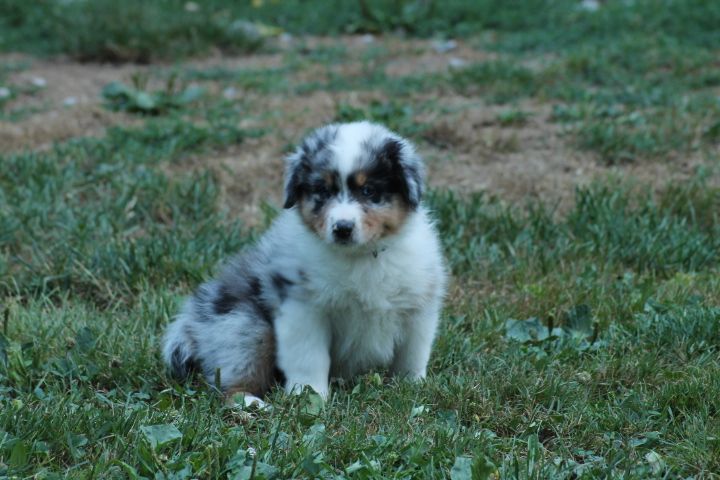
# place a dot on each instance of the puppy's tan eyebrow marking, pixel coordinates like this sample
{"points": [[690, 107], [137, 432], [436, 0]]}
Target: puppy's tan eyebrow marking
{"points": [[360, 178], [331, 180]]}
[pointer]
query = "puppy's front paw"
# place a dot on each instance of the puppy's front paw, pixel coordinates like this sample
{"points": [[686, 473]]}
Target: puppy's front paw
{"points": [[247, 400], [296, 388], [411, 376]]}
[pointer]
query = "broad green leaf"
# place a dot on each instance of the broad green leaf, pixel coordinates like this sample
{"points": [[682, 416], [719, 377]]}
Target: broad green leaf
{"points": [[417, 411], [311, 406], [145, 101], [657, 464], [159, 435], [465, 468], [244, 466], [75, 444], [579, 319], [483, 468], [116, 90], [19, 454], [315, 433], [191, 94], [462, 469], [85, 339], [530, 330]]}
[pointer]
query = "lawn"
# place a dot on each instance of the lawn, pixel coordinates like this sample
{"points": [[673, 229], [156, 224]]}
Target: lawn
{"points": [[572, 150]]}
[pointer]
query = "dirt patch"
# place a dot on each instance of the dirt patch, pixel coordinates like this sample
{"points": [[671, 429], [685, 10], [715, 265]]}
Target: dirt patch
{"points": [[430, 57], [65, 102], [40, 131], [251, 174], [468, 145], [472, 149], [467, 148], [252, 62], [66, 97], [67, 84]]}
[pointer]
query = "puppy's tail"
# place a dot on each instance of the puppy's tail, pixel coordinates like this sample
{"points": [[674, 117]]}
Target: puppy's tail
{"points": [[178, 348]]}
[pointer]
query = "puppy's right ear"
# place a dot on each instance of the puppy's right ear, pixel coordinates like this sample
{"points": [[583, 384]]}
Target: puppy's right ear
{"points": [[293, 179], [292, 192], [299, 165]]}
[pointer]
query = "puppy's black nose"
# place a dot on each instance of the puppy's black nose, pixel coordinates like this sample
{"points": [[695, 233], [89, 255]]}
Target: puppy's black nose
{"points": [[342, 230]]}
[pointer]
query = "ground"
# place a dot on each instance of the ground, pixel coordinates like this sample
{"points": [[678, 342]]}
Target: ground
{"points": [[572, 153], [466, 143]]}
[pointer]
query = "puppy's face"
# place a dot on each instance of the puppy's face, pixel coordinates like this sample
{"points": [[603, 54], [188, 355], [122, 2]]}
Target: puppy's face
{"points": [[353, 183]]}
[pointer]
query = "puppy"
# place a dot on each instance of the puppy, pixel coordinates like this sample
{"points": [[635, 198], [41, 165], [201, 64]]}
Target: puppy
{"points": [[349, 277]]}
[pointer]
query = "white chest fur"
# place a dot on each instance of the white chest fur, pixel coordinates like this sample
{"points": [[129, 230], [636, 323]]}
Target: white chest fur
{"points": [[369, 304], [367, 316]]}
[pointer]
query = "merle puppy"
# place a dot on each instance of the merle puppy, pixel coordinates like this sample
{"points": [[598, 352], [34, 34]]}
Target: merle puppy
{"points": [[349, 277]]}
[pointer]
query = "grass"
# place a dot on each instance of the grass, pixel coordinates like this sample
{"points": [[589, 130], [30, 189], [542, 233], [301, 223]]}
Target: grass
{"points": [[637, 97], [99, 244], [641, 80], [260, 80], [574, 344], [10, 91], [134, 31], [397, 116]]}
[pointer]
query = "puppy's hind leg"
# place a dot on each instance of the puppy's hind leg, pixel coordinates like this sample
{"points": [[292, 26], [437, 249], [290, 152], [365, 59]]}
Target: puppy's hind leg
{"points": [[257, 376], [179, 348], [240, 350], [237, 348]]}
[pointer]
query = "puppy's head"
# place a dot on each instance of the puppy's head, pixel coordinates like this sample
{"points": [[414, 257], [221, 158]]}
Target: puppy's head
{"points": [[354, 183]]}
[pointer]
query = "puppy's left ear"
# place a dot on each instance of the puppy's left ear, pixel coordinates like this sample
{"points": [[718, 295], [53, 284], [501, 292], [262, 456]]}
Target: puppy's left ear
{"points": [[407, 167], [293, 179]]}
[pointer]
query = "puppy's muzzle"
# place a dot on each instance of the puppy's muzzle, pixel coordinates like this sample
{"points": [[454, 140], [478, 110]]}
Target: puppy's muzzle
{"points": [[343, 231]]}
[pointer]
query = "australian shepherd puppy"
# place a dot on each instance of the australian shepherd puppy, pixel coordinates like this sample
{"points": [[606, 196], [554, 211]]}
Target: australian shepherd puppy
{"points": [[349, 277]]}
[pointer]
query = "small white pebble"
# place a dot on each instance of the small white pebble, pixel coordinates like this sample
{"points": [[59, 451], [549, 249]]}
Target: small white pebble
{"points": [[4, 92], [192, 7], [590, 5], [38, 82], [444, 46], [253, 401], [584, 377], [456, 62], [230, 93], [70, 101], [367, 39], [249, 29], [249, 402]]}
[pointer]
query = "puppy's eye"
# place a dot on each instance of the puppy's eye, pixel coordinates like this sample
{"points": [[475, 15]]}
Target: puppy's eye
{"points": [[367, 191], [321, 190]]}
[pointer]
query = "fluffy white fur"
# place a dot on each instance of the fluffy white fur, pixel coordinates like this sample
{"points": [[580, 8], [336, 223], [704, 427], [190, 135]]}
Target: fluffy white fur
{"points": [[359, 311], [301, 305]]}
